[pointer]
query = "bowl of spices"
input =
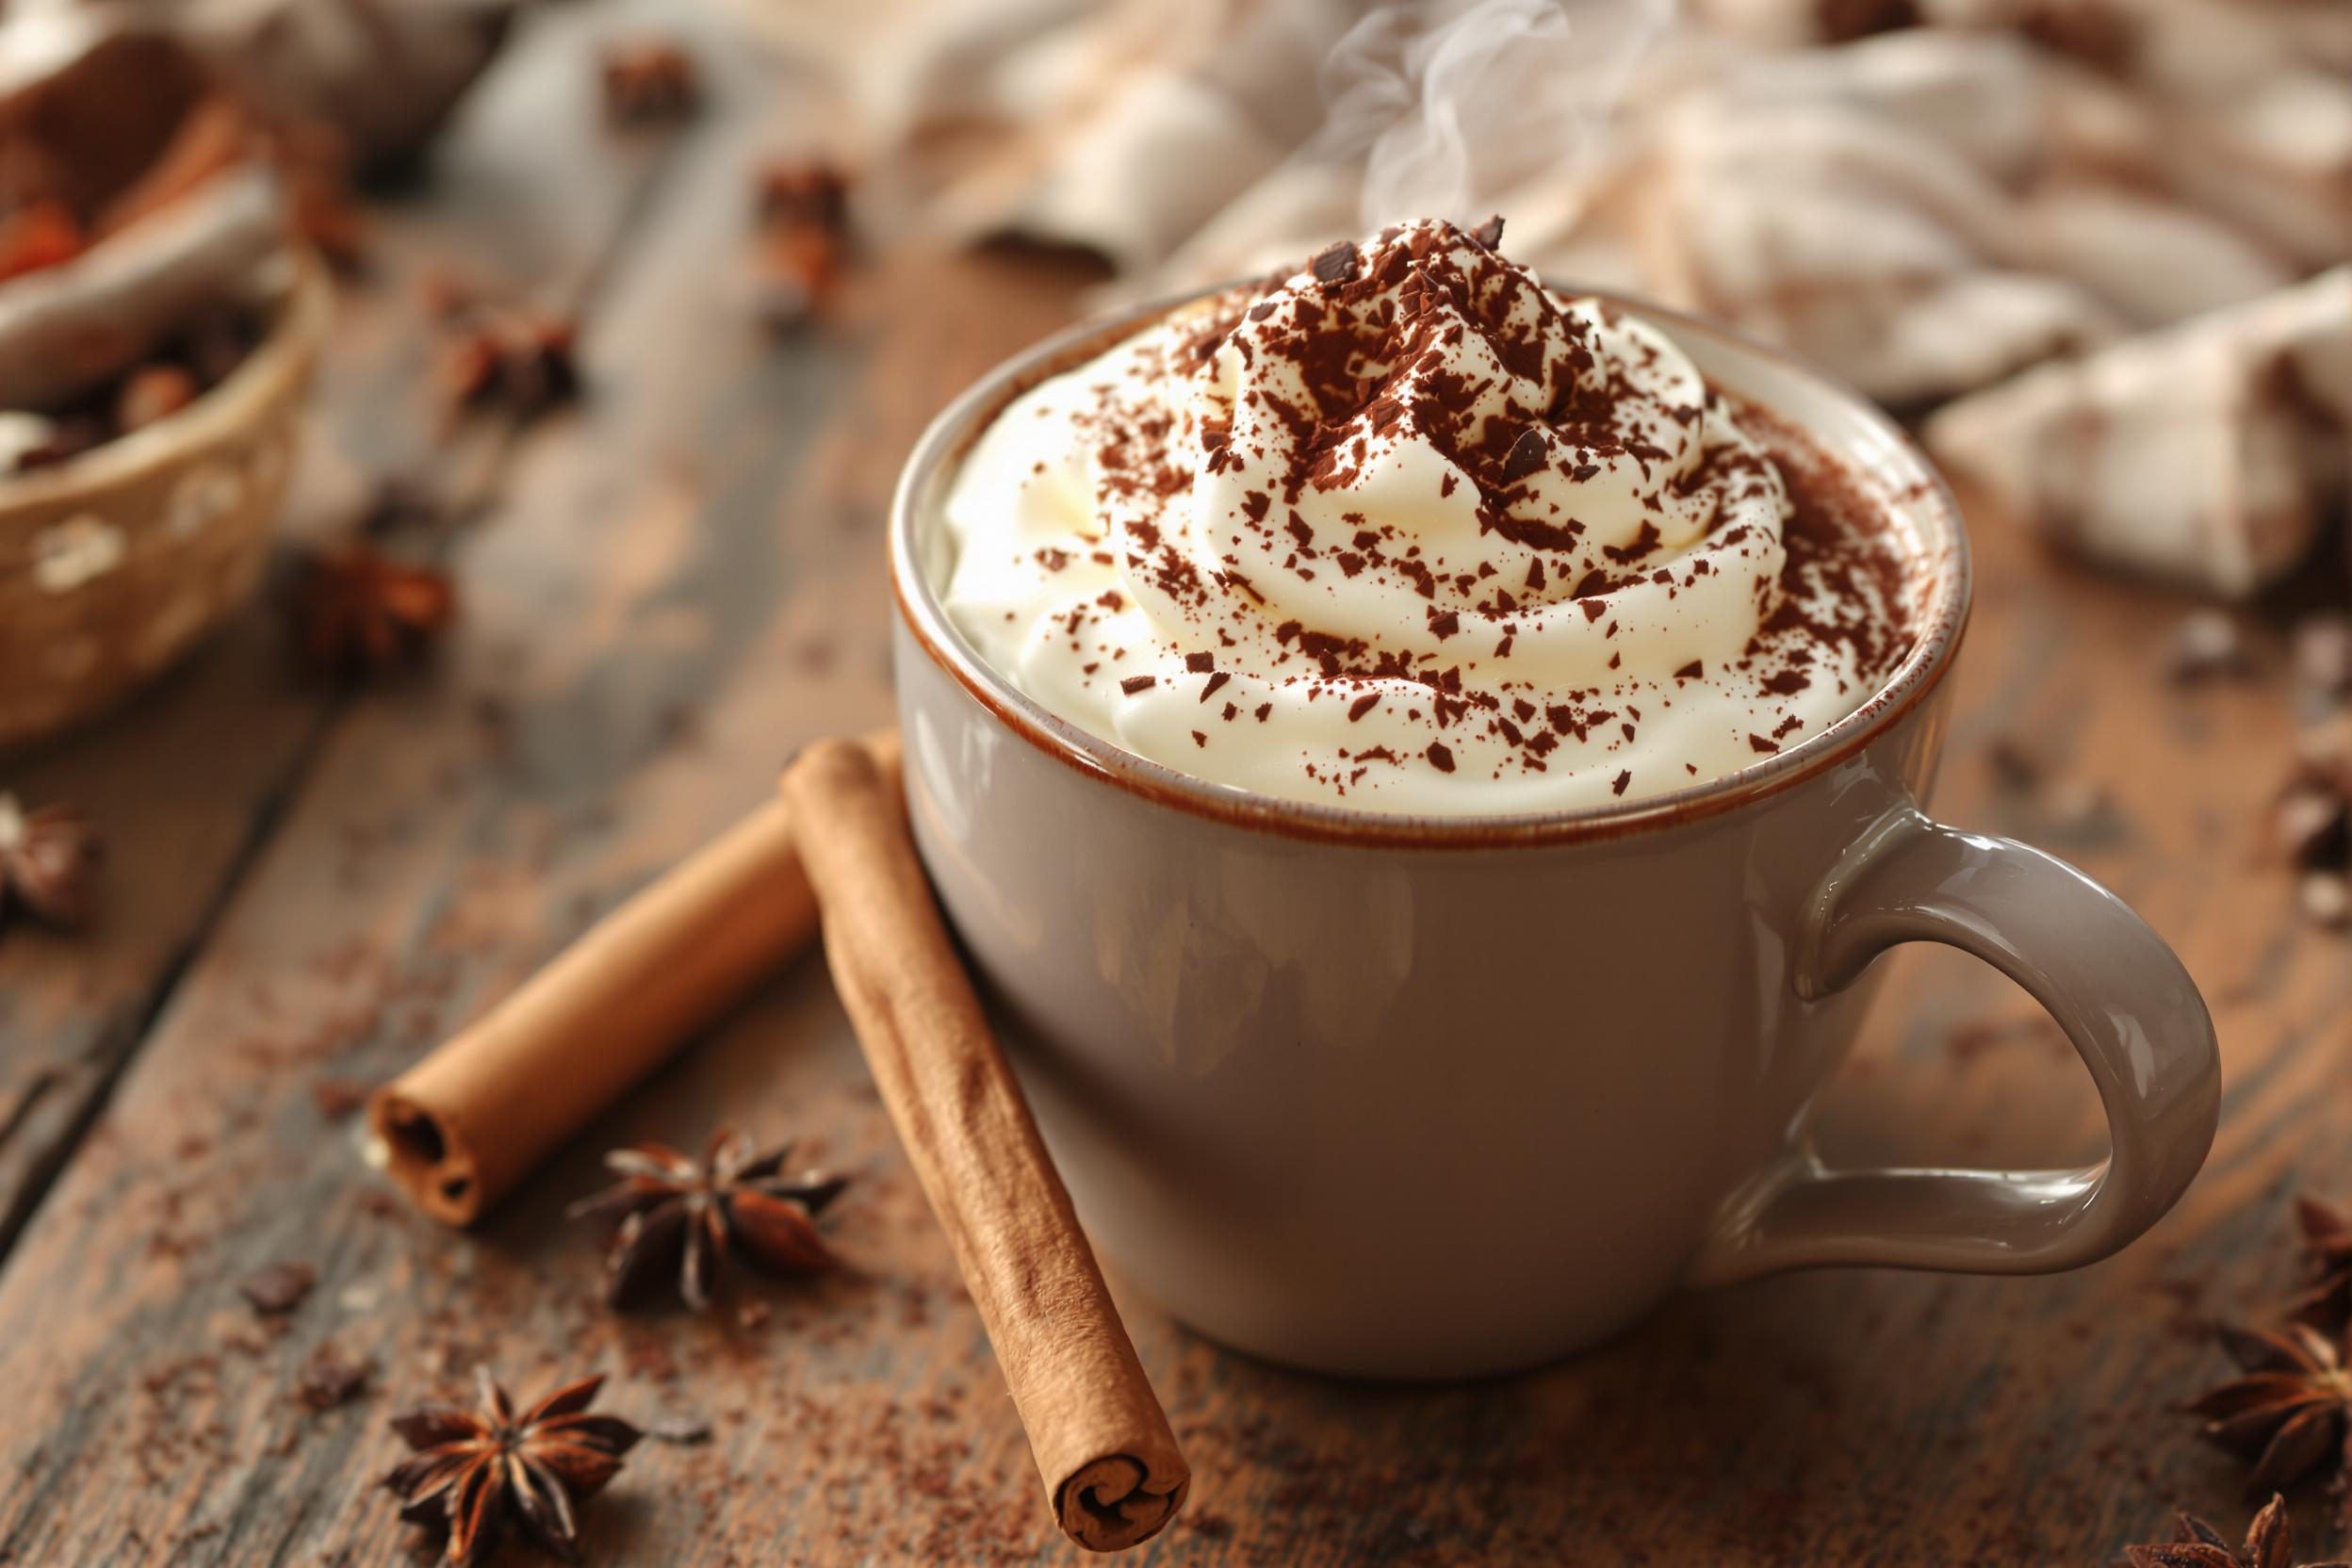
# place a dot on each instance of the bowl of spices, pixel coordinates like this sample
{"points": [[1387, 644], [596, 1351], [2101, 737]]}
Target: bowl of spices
{"points": [[158, 327]]}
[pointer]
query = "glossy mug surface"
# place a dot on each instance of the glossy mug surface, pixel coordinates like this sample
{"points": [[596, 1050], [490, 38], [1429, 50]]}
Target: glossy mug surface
{"points": [[1560, 1063]]}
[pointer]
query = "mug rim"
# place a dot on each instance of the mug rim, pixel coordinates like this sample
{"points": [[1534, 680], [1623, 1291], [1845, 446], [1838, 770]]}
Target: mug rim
{"points": [[951, 434]]}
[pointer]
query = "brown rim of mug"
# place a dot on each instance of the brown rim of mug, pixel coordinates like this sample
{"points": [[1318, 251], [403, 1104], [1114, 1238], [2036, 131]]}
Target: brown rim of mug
{"points": [[952, 431]]}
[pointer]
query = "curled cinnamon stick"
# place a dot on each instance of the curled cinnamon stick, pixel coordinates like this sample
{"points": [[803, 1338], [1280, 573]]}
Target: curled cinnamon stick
{"points": [[1111, 1470], [463, 1125]]}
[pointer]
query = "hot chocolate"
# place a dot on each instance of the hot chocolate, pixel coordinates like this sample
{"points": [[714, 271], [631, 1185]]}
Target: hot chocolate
{"points": [[1407, 531]]}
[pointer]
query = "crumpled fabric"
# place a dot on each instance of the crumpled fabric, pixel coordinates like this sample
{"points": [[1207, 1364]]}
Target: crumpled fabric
{"points": [[1927, 211]]}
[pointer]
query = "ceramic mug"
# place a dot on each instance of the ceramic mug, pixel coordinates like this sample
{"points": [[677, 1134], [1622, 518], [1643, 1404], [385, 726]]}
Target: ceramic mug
{"points": [[1412, 1097]]}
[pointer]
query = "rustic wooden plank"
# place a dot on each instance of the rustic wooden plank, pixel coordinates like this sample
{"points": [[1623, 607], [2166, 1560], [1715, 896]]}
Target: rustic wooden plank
{"points": [[685, 581], [188, 780]]}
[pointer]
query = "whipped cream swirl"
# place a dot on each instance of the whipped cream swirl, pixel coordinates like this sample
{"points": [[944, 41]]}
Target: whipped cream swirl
{"points": [[1411, 533]]}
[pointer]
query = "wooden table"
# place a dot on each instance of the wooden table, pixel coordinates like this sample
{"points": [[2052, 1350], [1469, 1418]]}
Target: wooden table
{"points": [[668, 590]]}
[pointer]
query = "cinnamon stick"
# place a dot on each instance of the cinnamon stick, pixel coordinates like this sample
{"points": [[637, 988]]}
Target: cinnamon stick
{"points": [[466, 1124], [1113, 1473]]}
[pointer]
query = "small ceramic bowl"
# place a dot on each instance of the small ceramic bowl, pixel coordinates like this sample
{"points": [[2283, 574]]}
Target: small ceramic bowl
{"points": [[114, 564]]}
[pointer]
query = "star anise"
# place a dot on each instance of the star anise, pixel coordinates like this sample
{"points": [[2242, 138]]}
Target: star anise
{"points": [[476, 1471], [49, 862], [358, 613], [511, 358], [2289, 1413], [2326, 1303], [680, 1220], [649, 81], [803, 239], [2269, 1543]]}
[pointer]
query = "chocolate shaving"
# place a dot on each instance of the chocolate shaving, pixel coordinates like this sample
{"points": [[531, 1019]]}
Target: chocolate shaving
{"points": [[1336, 263], [1528, 455], [1490, 234]]}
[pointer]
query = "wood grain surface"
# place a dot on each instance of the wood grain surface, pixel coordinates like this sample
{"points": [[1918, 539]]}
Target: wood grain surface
{"points": [[667, 591]]}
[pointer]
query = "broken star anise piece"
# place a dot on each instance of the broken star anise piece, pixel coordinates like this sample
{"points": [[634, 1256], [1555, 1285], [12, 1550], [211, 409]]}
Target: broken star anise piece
{"points": [[680, 1220], [2269, 1543], [803, 240], [49, 862], [513, 359], [2288, 1414], [649, 82], [358, 613], [477, 1471]]}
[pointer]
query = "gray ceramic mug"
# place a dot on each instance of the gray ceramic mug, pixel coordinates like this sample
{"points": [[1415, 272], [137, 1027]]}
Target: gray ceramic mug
{"points": [[1433, 1098]]}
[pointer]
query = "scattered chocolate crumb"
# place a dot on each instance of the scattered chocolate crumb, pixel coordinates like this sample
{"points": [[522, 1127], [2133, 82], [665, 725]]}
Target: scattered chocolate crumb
{"points": [[279, 1288], [2016, 766], [1441, 756], [338, 1098], [1134, 683], [684, 1431], [1617, 785], [329, 1377]]}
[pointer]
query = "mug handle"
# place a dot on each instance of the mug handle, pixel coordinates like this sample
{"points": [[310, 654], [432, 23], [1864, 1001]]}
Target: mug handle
{"points": [[2112, 985]]}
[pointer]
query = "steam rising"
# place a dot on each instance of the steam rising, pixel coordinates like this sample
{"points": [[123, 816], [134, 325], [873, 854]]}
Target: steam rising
{"points": [[1451, 103]]}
